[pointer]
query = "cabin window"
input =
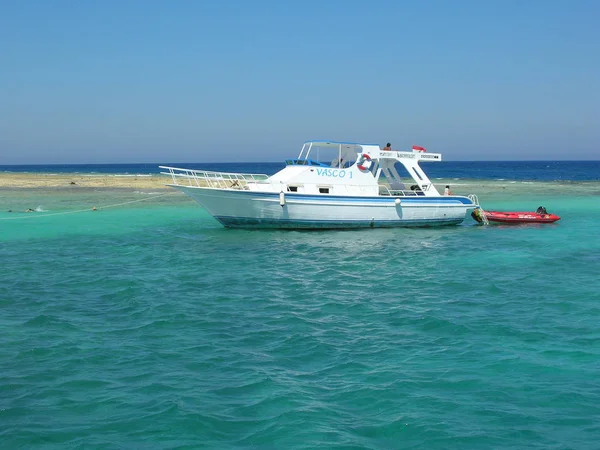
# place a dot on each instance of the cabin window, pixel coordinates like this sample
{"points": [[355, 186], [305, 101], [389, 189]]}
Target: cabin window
{"points": [[296, 162], [292, 188], [323, 190]]}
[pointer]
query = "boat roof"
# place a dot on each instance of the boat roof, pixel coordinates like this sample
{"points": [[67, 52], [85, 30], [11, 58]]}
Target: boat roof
{"points": [[336, 143]]}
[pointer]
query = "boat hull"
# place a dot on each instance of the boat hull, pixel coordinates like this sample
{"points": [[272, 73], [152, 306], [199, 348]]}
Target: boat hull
{"points": [[250, 209]]}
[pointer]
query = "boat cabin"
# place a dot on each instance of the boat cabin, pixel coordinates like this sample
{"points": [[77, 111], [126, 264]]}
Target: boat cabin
{"points": [[331, 168], [344, 168]]}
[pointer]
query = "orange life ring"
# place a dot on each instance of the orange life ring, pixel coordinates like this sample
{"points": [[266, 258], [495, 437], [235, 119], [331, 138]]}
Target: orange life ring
{"points": [[363, 159]]}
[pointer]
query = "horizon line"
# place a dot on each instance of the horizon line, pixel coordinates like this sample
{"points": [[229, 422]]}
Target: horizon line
{"points": [[283, 162]]}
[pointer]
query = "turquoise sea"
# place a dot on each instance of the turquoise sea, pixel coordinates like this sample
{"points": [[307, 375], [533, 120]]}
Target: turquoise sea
{"points": [[145, 324]]}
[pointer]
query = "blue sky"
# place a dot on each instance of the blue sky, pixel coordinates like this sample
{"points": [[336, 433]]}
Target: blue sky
{"points": [[149, 81]]}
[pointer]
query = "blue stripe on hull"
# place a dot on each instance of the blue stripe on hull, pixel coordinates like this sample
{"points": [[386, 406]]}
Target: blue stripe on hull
{"points": [[248, 222], [337, 198]]}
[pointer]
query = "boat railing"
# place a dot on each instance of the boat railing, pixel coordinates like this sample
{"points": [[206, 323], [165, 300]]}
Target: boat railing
{"points": [[217, 180], [474, 199]]}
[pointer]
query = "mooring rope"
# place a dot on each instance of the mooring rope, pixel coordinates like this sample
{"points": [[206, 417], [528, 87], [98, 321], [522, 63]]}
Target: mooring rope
{"points": [[95, 208]]}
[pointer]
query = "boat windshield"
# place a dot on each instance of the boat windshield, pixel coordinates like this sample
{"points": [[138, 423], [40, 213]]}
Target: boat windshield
{"points": [[327, 154], [304, 162]]}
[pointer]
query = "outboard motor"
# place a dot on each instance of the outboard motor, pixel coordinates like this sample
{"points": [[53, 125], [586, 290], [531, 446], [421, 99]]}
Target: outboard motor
{"points": [[476, 215]]}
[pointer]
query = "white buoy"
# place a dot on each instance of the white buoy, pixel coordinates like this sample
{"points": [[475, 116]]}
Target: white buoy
{"points": [[281, 199], [397, 201]]}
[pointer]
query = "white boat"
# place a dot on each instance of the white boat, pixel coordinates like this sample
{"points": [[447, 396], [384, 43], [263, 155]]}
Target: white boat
{"points": [[329, 185]]}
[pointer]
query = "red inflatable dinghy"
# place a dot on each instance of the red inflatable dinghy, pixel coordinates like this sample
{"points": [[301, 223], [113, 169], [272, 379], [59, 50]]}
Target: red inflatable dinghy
{"points": [[540, 216]]}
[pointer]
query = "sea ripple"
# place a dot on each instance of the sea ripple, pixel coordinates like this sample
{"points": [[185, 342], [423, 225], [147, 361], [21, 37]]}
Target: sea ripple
{"points": [[187, 335]]}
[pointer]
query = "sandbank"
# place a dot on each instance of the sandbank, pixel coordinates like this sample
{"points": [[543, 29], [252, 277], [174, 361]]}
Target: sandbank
{"points": [[75, 181], [483, 188]]}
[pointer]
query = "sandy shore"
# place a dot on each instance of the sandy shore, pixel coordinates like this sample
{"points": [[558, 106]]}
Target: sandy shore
{"points": [[73, 181]]}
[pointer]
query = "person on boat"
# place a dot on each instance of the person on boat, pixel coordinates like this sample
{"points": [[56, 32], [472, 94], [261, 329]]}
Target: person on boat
{"points": [[447, 190], [338, 163], [388, 147]]}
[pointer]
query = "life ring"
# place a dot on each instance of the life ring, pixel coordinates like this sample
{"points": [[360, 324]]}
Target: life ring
{"points": [[364, 162]]}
